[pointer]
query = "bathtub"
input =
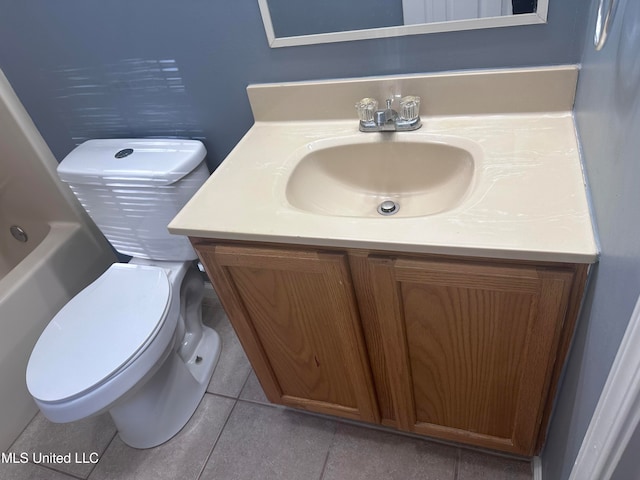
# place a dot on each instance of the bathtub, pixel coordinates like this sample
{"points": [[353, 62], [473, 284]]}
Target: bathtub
{"points": [[63, 252], [36, 282]]}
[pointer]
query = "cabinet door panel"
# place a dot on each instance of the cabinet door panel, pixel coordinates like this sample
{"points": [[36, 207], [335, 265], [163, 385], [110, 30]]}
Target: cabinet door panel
{"points": [[296, 316], [470, 347], [301, 341], [466, 347]]}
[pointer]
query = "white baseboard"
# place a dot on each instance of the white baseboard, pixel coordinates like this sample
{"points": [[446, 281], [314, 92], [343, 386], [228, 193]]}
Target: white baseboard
{"points": [[536, 463]]}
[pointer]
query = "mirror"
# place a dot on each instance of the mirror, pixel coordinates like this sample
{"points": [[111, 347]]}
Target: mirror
{"points": [[304, 22]]}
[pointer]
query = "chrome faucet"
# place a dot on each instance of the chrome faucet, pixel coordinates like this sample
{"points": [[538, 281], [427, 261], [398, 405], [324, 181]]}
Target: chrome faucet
{"points": [[388, 119]]}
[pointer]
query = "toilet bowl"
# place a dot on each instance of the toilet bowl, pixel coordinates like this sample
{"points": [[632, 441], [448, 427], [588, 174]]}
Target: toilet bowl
{"points": [[132, 342]]}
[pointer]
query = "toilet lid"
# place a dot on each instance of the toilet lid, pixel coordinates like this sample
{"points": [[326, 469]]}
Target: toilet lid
{"points": [[101, 329]]}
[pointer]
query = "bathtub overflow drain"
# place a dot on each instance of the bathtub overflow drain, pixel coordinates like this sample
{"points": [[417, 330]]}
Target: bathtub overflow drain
{"points": [[388, 207], [18, 233]]}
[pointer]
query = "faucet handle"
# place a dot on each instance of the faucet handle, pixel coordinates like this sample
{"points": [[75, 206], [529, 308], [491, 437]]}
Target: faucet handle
{"points": [[409, 107], [366, 109]]}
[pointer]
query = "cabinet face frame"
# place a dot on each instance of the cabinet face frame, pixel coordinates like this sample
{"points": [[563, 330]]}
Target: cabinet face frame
{"points": [[224, 265]]}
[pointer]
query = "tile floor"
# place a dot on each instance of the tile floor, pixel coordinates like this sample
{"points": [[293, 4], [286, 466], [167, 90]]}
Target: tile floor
{"points": [[237, 435]]}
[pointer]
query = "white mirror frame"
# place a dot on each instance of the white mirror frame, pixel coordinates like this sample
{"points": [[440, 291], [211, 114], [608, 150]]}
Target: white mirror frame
{"points": [[540, 16]]}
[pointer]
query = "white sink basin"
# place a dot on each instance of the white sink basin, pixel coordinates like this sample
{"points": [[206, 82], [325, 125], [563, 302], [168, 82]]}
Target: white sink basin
{"points": [[353, 177]]}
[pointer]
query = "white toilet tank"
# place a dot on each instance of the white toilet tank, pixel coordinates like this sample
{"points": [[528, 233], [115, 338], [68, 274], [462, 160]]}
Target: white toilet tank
{"points": [[132, 189]]}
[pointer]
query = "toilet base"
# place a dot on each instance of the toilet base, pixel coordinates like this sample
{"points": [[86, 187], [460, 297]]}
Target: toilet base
{"points": [[164, 404]]}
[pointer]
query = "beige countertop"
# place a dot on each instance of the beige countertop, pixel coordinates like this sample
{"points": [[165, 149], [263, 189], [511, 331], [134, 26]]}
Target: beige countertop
{"points": [[527, 200]]}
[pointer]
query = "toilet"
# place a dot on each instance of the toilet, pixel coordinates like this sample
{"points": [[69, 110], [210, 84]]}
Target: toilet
{"points": [[131, 343]]}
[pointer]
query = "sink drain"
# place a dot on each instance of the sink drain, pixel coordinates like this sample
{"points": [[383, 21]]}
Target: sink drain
{"points": [[388, 207]]}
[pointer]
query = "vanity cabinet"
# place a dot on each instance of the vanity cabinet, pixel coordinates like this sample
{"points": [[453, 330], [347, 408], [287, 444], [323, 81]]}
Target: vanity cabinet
{"points": [[460, 349]]}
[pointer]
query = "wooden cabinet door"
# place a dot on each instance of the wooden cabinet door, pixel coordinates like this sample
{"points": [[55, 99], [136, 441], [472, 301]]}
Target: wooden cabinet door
{"points": [[470, 348], [296, 316]]}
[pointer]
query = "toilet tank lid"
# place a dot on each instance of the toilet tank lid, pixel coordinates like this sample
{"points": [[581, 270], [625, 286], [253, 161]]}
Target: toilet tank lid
{"points": [[152, 161]]}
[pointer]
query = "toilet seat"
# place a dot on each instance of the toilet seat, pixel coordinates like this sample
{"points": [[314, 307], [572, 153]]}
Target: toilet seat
{"points": [[100, 332]]}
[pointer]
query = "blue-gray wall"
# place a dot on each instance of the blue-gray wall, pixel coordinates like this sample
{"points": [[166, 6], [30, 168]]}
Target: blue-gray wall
{"points": [[96, 68], [608, 119]]}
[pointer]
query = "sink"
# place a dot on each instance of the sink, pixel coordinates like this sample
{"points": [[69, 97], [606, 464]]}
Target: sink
{"points": [[353, 177]]}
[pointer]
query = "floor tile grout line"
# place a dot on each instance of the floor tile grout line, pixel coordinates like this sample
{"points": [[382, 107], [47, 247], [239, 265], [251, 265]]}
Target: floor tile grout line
{"points": [[268, 404], [456, 467], [326, 458], [113, 438], [23, 430], [215, 444], [222, 395], [63, 472], [246, 380], [232, 397], [68, 474]]}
